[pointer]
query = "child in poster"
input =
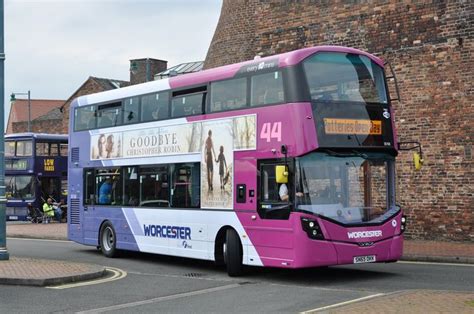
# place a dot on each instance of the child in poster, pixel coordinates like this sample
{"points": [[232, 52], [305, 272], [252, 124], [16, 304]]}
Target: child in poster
{"points": [[221, 161]]}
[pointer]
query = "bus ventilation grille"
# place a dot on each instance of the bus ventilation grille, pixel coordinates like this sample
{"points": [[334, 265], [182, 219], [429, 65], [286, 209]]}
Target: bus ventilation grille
{"points": [[75, 217], [75, 154]]}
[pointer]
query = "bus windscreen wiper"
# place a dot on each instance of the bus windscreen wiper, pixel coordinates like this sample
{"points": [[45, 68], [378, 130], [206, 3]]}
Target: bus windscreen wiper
{"points": [[353, 153]]}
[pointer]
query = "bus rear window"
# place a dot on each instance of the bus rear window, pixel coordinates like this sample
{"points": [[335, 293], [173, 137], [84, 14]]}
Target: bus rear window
{"points": [[344, 77]]}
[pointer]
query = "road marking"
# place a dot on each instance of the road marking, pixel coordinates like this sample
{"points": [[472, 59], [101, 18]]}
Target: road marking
{"points": [[312, 287], [117, 274], [324, 308], [36, 239], [435, 263], [160, 299]]}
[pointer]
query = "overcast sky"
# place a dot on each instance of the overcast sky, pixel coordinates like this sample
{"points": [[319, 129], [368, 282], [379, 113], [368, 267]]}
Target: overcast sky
{"points": [[53, 46]]}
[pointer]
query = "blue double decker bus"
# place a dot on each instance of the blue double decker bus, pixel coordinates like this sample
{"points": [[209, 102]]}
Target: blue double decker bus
{"points": [[35, 169]]}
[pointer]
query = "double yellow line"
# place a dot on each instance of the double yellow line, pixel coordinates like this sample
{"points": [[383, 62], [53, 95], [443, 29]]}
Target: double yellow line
{"points": [[116, 275]]}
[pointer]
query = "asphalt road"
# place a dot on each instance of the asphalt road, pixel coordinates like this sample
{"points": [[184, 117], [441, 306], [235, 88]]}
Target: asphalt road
{"points": [[156, 283]]}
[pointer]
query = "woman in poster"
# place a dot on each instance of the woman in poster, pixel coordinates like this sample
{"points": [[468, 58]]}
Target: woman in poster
{"points": [[99, 151], [208, 151], [112, 146]]}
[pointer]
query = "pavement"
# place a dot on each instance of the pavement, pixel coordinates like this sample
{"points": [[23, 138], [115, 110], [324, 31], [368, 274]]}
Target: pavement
{"points": [[42, 272], [36, 272]]}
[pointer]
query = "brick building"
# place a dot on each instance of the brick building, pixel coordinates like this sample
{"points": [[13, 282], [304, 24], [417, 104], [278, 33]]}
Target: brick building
{"points": [[141, 71], [43, 115], [430, 45], [90, 86]]}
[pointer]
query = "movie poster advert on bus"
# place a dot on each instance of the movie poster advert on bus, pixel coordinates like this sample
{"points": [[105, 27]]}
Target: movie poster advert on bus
{"points": [[169, 140], [216, 164], [244, 133], [215, 140], [106, 146]]}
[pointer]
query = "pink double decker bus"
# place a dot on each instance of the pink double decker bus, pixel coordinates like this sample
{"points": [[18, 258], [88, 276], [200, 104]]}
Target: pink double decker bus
{"points": [[284, 161]]}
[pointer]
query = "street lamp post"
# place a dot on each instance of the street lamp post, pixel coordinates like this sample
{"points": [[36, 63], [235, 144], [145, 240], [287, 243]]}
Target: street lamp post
{"points": [[3, 228], [13, 98]]}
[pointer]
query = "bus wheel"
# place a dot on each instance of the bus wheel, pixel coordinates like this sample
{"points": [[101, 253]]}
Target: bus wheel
{"points": [[108, 240], [233, 253]]}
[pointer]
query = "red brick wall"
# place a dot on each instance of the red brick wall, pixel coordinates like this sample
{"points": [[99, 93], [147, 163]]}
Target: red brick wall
{"points": [[53, 126], [430, 44], [234, 37]]}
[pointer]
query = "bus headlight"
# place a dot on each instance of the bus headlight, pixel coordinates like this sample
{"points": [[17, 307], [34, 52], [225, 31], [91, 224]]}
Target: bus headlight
{"points": [[312, 228]]}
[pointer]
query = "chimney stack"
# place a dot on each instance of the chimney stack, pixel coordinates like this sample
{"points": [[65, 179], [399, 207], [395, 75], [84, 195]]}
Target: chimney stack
{"points": [[143, 70]]}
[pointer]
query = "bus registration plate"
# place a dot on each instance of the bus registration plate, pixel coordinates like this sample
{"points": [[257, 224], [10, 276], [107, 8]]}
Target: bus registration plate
{"points": [[364, 259]]}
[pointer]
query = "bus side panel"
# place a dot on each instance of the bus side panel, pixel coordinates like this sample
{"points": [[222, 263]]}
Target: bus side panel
{"points": [[95, 216], [186, 233], [75, 201], [246, 174]]}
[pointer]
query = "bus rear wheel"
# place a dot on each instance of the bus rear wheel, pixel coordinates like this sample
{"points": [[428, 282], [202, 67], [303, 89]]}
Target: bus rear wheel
{"points": [[108, 240], [233, 253]]}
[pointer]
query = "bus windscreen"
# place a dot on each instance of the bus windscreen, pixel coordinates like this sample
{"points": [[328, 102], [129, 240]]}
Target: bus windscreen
{"points": [[344, 77]]}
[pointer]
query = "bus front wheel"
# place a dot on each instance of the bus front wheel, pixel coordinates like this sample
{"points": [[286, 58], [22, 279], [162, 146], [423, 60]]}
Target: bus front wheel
{"points": [[108, 240], [233, 253]]}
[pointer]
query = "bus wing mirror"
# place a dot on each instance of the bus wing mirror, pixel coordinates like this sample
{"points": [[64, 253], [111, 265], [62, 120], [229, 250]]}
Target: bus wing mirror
{"points": [[417, 161], [281, 174]]}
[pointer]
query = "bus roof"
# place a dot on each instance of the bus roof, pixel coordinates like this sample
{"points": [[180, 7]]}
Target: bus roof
{"points": [[43, 136], [215, 74], [284, 60]]}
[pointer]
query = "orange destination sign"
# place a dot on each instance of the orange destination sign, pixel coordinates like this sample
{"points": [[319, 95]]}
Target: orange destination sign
{"points": [[352, 126]]}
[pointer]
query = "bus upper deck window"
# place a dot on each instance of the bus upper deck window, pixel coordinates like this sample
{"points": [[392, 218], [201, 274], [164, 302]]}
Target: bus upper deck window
{"points": [[24, 148], [187, 105], [267, 89], [54, 150], [229, 95], [63, 149], [109, 115], [351, 77], [42, 149], [155, 106], [85, 118], [9, 148], [130, 107]]}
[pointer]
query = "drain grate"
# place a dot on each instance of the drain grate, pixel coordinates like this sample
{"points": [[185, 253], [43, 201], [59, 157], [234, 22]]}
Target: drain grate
{"points": [[193, 275]]}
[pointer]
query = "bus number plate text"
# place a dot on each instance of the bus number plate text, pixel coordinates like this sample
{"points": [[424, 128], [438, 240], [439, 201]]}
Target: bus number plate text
{"points": [[364, 259]]}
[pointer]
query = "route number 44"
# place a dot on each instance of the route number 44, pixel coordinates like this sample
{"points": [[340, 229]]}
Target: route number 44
{"points": [[271, 131]]}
